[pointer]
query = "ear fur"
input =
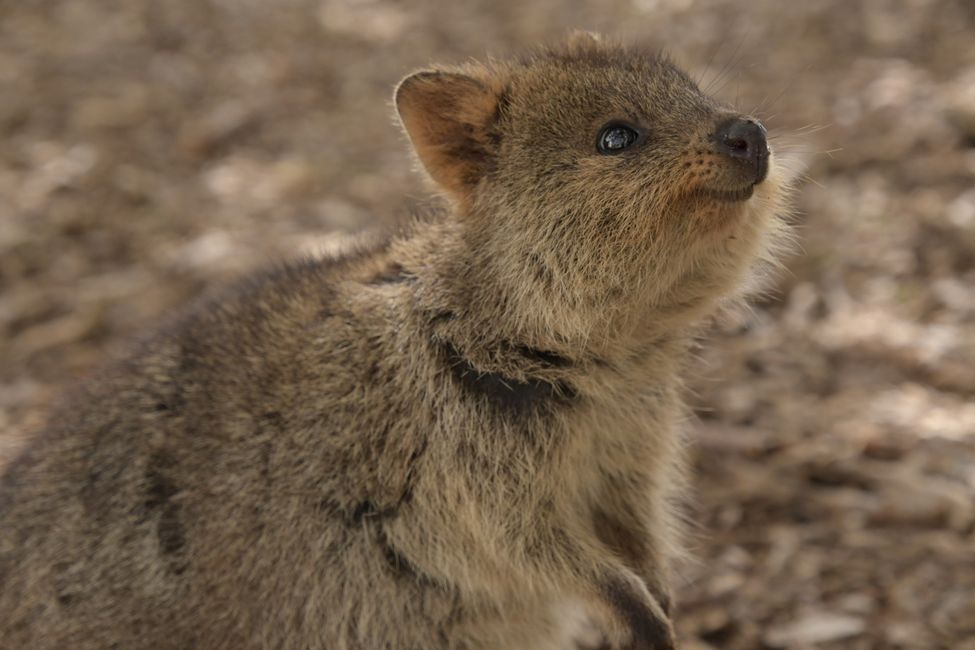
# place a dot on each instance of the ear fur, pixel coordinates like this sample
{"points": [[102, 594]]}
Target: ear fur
{"points": [[448, 116]]}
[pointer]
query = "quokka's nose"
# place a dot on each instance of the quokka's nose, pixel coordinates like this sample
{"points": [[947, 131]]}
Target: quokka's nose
{"points": [[745, 142]]}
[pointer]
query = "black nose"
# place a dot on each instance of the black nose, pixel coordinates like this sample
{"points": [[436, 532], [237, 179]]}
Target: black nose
{"points": [[744, 141]]}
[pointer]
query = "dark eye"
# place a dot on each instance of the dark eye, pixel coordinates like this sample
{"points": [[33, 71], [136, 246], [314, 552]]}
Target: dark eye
{"points": [[614, 138]]}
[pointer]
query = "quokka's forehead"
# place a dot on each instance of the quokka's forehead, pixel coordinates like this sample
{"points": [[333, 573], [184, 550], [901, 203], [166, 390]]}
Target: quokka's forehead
{"points": [[613, 70], [609, 59], [596, 81]]}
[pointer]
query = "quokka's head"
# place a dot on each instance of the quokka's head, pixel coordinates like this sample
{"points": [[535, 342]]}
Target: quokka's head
{"points": [[597, 174]]}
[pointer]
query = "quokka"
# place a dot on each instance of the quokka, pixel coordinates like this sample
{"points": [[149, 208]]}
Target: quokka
{"points": [[465, 436]]}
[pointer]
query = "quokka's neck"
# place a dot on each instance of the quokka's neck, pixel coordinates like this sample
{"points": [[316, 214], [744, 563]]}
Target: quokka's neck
{"points": [[490, 308]]}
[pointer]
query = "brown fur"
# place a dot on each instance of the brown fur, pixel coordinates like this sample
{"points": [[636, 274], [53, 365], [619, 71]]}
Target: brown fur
{"points": [[464, 437]]}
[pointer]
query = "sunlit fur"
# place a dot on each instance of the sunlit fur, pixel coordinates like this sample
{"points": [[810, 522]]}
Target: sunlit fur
{"points": [[464, 437]]}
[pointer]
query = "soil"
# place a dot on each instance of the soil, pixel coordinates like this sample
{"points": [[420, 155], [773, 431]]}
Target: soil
{"points": [[151, 150]]}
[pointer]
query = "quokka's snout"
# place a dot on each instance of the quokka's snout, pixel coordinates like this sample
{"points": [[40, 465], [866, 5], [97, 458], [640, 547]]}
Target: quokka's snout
{"points": [[744, 141]]}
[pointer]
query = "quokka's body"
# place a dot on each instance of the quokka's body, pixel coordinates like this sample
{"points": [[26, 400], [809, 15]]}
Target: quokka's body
{"points": [[463, 437]]}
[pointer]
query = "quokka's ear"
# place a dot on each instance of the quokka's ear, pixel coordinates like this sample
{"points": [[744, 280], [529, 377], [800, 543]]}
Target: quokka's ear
{"points": [[449, 118]]}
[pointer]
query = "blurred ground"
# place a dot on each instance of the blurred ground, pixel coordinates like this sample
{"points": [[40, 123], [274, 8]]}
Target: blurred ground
{"points": [[151, 149]]}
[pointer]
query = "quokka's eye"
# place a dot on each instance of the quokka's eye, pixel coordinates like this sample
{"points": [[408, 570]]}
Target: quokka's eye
{"points": [[615, 137]]}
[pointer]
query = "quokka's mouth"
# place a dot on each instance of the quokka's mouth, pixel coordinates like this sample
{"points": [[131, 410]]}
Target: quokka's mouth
{"points": [[729, 196]]}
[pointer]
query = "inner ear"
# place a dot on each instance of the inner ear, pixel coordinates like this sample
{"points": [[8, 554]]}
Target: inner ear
{"points": [[449, 118]]}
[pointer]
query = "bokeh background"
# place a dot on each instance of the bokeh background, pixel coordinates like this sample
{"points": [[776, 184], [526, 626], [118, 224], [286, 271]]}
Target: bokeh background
{"points": [[150, 150]]}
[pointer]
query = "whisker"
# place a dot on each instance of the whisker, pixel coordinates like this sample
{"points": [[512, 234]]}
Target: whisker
{"points": [[806, 177], [785, 89], [730, 65], [707, 66]]}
